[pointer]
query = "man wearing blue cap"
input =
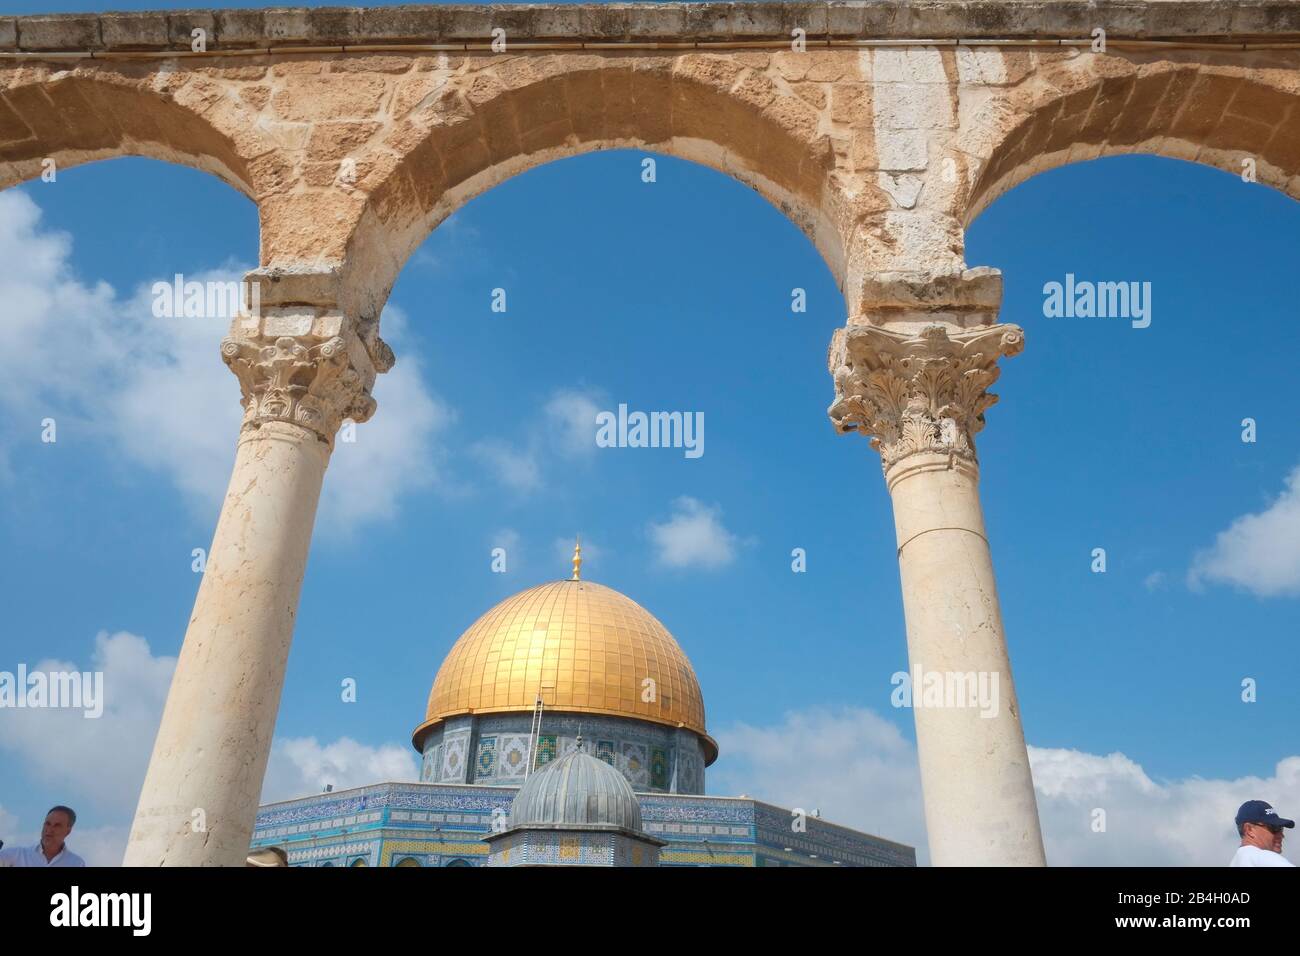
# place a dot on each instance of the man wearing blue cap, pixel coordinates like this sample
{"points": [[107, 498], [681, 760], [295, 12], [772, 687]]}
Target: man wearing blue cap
{"points": [[1261, 836]]}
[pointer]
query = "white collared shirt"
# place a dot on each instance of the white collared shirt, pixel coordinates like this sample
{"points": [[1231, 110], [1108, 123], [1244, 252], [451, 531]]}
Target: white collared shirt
{"points": [[1254, 856], [34, 856]]}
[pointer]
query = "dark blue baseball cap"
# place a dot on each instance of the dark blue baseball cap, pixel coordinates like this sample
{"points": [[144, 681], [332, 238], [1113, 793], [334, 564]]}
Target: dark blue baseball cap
{"points": [[1257, 811]]}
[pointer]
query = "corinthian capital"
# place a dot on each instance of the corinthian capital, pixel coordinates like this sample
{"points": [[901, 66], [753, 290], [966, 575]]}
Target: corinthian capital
{"points": [[312, 381], [917, 392]]}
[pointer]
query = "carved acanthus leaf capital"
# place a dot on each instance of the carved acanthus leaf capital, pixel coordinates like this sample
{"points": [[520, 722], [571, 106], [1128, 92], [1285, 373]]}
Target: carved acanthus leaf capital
{"points": [[313, 383], [914, 393]]}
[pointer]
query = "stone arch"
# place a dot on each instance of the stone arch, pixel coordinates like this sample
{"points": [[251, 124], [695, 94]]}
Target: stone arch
{"points": [[89, 113], [1211, 109], [511, 114]]}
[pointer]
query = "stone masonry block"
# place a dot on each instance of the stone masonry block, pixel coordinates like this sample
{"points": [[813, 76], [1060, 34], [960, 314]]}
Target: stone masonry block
{"points": [[134, 31], [58, 33]]}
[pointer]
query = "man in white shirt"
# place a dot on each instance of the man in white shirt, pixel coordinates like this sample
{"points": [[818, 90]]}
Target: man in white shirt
{"points": [[53, 848], [1261, 836]]}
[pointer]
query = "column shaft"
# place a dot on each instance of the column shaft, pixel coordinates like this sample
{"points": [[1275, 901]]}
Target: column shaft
{"points": [[979, 795], [304, 367], [918, 386], [215, 738]]}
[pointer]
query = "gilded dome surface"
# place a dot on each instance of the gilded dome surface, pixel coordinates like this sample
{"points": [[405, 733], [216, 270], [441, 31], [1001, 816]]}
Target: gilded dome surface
{"points": [[576, 789], [587, 647]]}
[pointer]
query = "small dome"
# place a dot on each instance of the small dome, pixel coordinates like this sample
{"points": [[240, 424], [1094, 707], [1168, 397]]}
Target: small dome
{"points": [[576, 790]]}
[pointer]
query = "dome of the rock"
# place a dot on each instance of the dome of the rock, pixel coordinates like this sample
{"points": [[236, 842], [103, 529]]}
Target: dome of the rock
{"points": [[599, 661], [587, 647]]}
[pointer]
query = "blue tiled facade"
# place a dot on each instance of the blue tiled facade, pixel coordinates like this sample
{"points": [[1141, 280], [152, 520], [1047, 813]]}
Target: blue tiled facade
{"points": [[558, 848], [431, 824], [494, 749]]}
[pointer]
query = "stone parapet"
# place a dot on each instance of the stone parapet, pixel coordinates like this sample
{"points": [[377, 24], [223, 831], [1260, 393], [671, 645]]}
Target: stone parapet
{"points": [[1199, 20]]}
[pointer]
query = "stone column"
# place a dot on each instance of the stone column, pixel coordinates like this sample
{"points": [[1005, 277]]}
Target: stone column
{"points": [[917, 384], [302, 370]]}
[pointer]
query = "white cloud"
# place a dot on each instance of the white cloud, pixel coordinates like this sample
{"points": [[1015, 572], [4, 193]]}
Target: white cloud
{"points": [[693, 537], [1148, 823], [157, 390], [394, 454], [55, 341], [567, 430], [571, 416], [301, 766], [1258, 552], [173, 406], [1154, 581], [98, 846], [860, 771], [95, 761], [97, 765], [94, 765], [851, 764], [53, 338]]}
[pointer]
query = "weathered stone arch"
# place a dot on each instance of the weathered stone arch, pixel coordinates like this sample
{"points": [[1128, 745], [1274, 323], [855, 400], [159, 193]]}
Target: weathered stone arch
{"points": [[355, 130], [504, 115], [95, 112], [1216, 109]]}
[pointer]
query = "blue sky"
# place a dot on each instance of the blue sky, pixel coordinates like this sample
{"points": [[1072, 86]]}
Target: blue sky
{"points": [[675, 295]]}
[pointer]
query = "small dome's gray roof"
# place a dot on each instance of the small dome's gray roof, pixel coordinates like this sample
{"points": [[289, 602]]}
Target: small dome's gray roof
{"points": [[576, 789]]}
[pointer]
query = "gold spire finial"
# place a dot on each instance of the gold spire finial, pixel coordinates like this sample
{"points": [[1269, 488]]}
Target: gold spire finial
{"points": [[577, 559]]}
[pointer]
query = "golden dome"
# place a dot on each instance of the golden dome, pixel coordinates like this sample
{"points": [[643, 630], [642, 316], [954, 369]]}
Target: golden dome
{"points": [[588, 647]]}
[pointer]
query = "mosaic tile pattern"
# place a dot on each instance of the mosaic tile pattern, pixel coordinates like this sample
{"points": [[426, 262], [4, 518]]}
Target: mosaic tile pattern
{"points": [[689, 774], [486, 763], [559, 739], [514, 756], [605, 751], [432, 852], [674, 857], [567, 848], [635, 764], [449, 821], [827, 839], [546, 745], [587, 849], [338, 854], [658, 768], [453, 758]]}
